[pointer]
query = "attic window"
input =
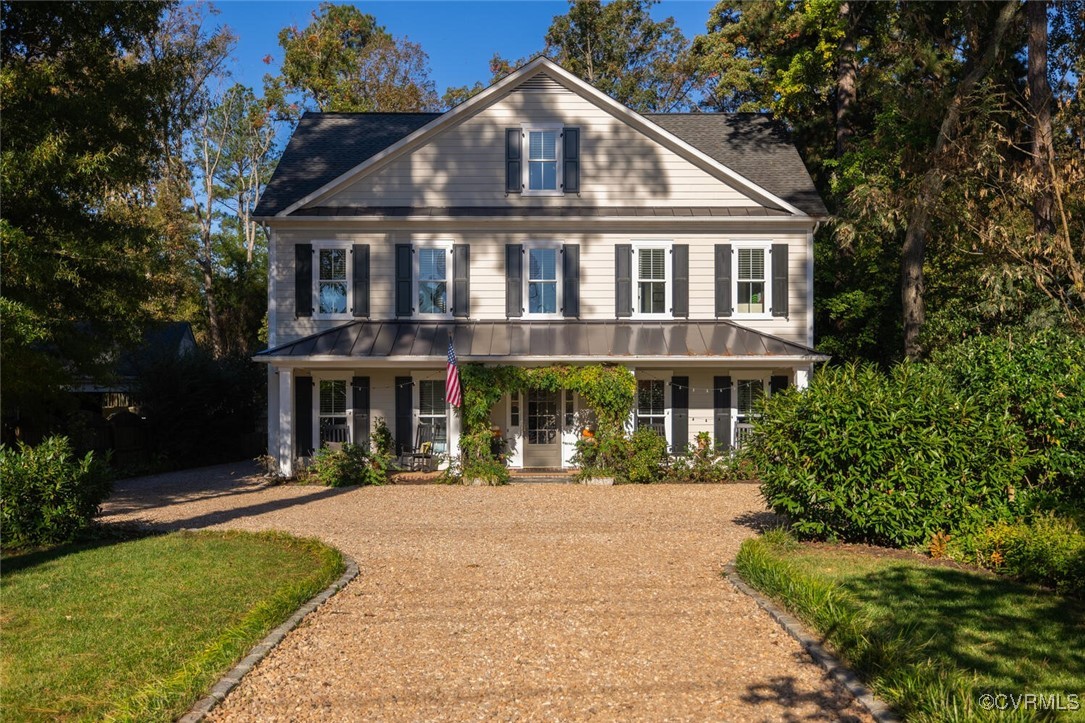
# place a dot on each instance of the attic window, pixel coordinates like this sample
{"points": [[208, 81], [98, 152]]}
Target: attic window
{"points": [[542, 169]]}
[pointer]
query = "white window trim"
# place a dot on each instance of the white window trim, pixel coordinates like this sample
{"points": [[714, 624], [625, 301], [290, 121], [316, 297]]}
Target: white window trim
{"points": [[317, 247], [668, 276], [560, 279], [525, 159], [658, 376], [767, 247], [325, 376], [416, 405], [416, 257]]}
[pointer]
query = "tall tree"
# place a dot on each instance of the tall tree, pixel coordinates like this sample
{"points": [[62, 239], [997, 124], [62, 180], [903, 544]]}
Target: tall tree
{"points": [[81, 114], [344, 61], [1039, 99]]}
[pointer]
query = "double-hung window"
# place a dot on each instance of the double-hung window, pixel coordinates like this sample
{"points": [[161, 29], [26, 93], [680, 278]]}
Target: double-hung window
{"points": [[542, 169], [651, 412], [543, 279], [652, 271], [432, 287], [752, 287], [433, 411], [331, 279], [333, 411]]}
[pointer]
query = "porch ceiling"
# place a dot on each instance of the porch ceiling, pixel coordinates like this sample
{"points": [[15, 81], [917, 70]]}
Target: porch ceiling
{"points": [[510, 341]]}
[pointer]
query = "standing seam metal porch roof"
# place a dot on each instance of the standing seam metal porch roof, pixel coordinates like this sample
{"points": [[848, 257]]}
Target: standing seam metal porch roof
{"points": [[508, 340]]}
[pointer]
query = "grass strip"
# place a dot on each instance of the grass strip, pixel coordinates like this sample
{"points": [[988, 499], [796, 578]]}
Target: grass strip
{"points": [[141, 629], [928, 650]]}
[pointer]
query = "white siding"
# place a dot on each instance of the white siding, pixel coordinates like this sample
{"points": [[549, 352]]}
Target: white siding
{"points": [[488, 274], [465, 164]]}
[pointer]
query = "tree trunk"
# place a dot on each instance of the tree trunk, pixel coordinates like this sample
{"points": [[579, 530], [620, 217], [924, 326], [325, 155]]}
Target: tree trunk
{"points": [[1039, 96], [930, 188], [846, 71]]}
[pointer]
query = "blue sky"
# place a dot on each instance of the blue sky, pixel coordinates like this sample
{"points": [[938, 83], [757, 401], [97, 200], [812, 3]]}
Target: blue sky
{"points": [[460, 37]]}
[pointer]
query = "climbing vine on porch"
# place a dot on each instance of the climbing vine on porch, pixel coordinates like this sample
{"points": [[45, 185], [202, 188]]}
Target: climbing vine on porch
{"points": [[608, 390]]}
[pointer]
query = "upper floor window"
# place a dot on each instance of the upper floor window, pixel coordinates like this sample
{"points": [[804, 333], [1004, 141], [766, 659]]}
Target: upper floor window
{"points": [[543, 287], [331, 279], [542, 164], [751, 281], [432, 279], [652, 281]]}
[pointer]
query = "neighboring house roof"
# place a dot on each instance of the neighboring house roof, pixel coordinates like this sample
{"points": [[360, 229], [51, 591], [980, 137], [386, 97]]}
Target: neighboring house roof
{"points": [[327, 146], [500, 340], [161, 340]]}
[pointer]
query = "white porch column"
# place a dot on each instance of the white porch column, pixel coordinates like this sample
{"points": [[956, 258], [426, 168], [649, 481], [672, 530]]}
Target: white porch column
{"points": [[802, 378], [285, 454], [454, 433], [272, 412]]}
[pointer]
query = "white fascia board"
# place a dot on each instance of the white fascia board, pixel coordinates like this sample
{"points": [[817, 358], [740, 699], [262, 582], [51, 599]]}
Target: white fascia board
{"points": [[339, 362], [463, 110], [571, 82], [801, 223]]}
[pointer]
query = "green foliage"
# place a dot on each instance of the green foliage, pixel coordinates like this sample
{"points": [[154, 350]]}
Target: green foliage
{"points": [[915, 632], [198, 409], [351, 465], [81, 109], [384, 445], [640, 458], [1039, 379], [343, 61], [1047, 549], [49, 496], [703, 464], [888, 459]]}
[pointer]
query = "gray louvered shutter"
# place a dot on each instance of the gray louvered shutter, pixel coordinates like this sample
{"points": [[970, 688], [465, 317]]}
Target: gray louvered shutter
{"points": [[303, 414], [513, 175], [303, 280], [721, 401], [779, 279], [570, 172], [723, 280], [461, 280], [623, 280], [679, 415], [777, 384], [360, 252], [680, 276], [404, 303], [570, 279], [404, 413], [360, 409], [514, 277]]}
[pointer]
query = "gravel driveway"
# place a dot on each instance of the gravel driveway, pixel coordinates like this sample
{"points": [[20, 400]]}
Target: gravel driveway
{"points": [[525, 602]]}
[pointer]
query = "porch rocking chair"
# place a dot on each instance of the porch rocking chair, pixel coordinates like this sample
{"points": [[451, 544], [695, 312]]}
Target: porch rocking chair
{"points": [[420, 458]]}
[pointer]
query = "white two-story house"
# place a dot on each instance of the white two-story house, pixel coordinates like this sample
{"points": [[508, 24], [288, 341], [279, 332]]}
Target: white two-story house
{"points": [[539, 222]]}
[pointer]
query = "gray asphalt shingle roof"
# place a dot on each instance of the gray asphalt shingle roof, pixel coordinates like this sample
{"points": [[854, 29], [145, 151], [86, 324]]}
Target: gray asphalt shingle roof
{"points": [[324, 146]]}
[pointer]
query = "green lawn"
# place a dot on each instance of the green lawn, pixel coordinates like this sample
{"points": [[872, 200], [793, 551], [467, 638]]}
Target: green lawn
{"points": [[141, 629], [930, 639]]}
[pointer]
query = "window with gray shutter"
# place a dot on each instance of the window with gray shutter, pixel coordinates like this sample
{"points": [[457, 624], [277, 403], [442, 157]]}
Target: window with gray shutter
{"points": [[461, 280], [570, 279], [779, 279], [724, 304], [513, 172], [404, 305], [623, 280], [514, 278], [571, 160], [360, 252], [680, 275], [303, 280]]}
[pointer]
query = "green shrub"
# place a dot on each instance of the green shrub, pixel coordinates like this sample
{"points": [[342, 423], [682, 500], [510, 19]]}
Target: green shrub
{"points": [[1039, 379], [49, 495], [639, 458], [1048, 550], [887, 459], [351, 465], [702, 463]]}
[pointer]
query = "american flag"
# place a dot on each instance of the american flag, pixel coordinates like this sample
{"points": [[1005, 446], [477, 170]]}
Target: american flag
{"points": [[453, 390]]}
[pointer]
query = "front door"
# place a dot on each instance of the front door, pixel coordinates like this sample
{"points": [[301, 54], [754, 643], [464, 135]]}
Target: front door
{"points": [[542, 433]]}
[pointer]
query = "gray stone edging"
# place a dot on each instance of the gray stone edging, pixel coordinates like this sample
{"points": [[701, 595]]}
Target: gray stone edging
{"points": [[881, 712], [265, 646]]}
